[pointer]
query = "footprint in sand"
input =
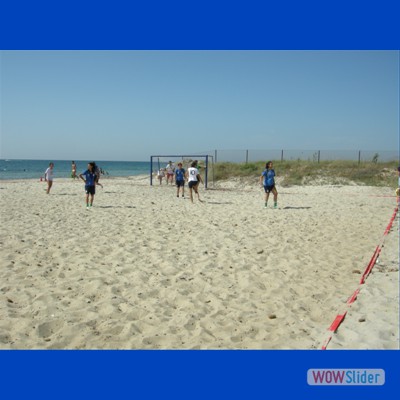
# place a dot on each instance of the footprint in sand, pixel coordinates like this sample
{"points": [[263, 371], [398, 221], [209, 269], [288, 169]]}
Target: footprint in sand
{"points": [[47, 329]]}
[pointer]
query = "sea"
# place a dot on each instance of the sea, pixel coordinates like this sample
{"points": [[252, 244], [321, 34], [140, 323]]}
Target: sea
{"points": [[34, 169]]}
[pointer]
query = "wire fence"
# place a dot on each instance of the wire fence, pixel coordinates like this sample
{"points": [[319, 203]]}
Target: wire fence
{"points": [[246, 156]]}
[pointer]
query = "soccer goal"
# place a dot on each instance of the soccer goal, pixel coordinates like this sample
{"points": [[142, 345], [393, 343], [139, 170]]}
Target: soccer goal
{"points": [[205, 165]]}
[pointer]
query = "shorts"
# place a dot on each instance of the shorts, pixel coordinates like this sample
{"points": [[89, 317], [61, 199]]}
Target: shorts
{"points": [[90, 190], [192, 184], [269, 188], [180, 183], [170, 175]]}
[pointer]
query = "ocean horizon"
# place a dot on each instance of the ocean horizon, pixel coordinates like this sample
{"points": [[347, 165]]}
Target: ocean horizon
{"points": [[11, 169]]}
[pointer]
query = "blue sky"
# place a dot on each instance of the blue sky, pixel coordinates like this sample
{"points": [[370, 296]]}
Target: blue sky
{"points": [[128, 105]]}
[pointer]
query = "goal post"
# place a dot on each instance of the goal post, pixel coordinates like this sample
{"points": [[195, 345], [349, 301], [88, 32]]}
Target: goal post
{"points": [[160, 161]]}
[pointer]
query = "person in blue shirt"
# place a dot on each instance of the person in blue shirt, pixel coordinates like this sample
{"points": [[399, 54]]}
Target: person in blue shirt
{"points": [[90, 179], [267, 179], [180, 179]]}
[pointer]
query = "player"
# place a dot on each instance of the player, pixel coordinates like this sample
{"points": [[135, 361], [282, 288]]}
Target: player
{"points": [[170, 168], [180, 180], [48, 177], [267, 179], [194, 179]]}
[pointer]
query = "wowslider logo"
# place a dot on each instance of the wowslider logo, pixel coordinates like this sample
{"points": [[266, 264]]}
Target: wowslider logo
{"points": [[359, 377]]}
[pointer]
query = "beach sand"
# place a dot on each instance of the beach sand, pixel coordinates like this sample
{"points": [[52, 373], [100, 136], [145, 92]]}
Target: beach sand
{"points": [[372, 321], [144, 269]]}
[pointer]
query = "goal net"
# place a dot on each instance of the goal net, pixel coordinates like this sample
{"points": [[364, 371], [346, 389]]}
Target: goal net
{"points": [[205, 165]]}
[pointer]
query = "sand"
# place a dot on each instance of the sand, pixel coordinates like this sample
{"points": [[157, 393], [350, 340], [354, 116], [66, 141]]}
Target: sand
{"points": [[372, 321], [144, 269]]}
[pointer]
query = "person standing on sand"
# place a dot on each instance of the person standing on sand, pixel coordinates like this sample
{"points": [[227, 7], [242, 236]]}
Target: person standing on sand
{"points": [[73, 171], [194, 179], [180, 180], [267, 179], [160, 175], [90, 179], [170, 172], [48, 177], [97, 171]]}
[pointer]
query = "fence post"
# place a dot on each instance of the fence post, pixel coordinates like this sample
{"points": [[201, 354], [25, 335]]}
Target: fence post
{"points": [[319, 155], [359, 157], [282, 156], [215, 152], [247, 156]]}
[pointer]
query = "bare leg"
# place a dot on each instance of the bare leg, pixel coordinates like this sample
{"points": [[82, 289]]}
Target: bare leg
{"points": [[275, 193], [197, 192], [266, 198]]}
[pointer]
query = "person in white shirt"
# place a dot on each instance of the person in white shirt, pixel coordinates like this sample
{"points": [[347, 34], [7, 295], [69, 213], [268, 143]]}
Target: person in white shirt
{"points": [[160, 175], [194, 178], [48, 177], [170, 172]]}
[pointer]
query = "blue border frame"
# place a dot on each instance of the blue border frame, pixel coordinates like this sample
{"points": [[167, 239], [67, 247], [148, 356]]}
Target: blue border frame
{"points": [[194, 25], [180, 374], [209, 24]]}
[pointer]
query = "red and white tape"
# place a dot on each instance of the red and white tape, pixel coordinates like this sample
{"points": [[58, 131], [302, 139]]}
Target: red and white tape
{"points": [[340, 317]]}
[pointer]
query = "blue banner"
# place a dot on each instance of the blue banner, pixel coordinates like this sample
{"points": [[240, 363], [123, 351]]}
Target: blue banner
{"points": [[203, 374], [178, 24]]}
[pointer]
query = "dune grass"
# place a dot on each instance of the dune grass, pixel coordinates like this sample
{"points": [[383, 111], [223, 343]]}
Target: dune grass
{"points": [[300, 172]]}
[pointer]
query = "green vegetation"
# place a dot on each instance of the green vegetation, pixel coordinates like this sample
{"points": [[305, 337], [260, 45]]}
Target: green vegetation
{"points": [[299, 172]]}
